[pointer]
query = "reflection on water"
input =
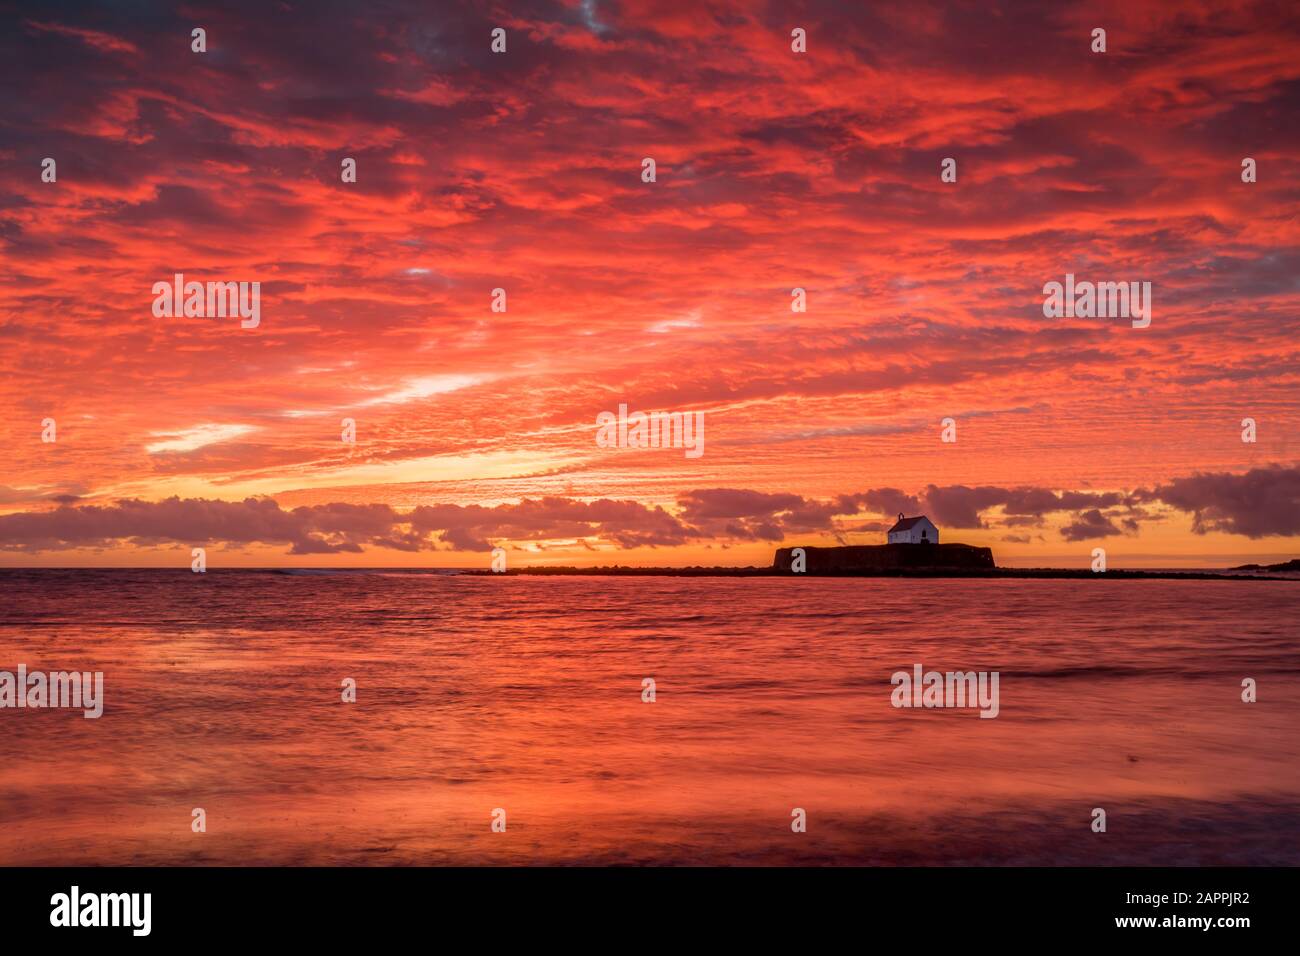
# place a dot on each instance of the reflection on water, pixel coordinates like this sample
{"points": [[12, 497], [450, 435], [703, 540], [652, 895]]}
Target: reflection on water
{"points": [[222, 691]]}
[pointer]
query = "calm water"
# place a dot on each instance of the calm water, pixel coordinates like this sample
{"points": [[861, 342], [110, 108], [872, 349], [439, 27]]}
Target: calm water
{"points": [[223, 692]]}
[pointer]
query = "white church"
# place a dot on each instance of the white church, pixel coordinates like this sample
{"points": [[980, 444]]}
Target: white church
{"points": [[918, 530]]}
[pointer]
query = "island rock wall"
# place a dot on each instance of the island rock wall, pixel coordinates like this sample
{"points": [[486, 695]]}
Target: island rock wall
{"points": [[868, 558]]}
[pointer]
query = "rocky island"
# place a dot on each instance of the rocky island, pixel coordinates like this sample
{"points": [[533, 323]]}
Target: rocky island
{"points": [[878, 558]]}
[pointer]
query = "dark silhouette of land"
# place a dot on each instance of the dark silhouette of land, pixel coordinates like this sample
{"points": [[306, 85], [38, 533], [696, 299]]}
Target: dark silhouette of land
{"points": [[1292, 565], [752, 572], [879, 558], [901, 561]]}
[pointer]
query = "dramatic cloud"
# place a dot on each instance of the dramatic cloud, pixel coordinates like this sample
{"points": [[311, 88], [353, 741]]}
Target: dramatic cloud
{"points": [[730, 513], [1260, 503], [521, 171], [1089, 524], [474, 528], [337, 527], [1237, 504]]}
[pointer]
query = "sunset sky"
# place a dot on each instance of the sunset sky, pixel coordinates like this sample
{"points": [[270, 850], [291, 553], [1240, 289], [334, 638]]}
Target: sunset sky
{"points": [[522, 170]]}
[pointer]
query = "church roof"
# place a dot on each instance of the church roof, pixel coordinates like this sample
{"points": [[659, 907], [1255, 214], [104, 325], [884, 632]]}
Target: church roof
{"points": [[905, 523]]}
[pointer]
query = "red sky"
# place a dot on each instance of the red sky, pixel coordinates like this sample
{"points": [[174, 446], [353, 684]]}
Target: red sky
{"points": [[522, 171]]}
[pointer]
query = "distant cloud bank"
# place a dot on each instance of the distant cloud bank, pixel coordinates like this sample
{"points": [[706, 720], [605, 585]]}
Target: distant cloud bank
{"points": [[1263, 502]]}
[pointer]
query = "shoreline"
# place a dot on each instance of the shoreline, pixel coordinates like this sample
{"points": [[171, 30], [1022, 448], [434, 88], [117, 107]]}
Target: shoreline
{"points": [[1226, 574], [753, 572]]}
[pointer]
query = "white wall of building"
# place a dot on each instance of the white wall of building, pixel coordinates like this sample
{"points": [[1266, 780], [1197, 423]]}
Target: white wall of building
{"points": [[914, 534]]}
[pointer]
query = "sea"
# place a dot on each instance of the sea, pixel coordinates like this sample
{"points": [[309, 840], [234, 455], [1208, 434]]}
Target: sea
{"points": [[516, 720]]}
